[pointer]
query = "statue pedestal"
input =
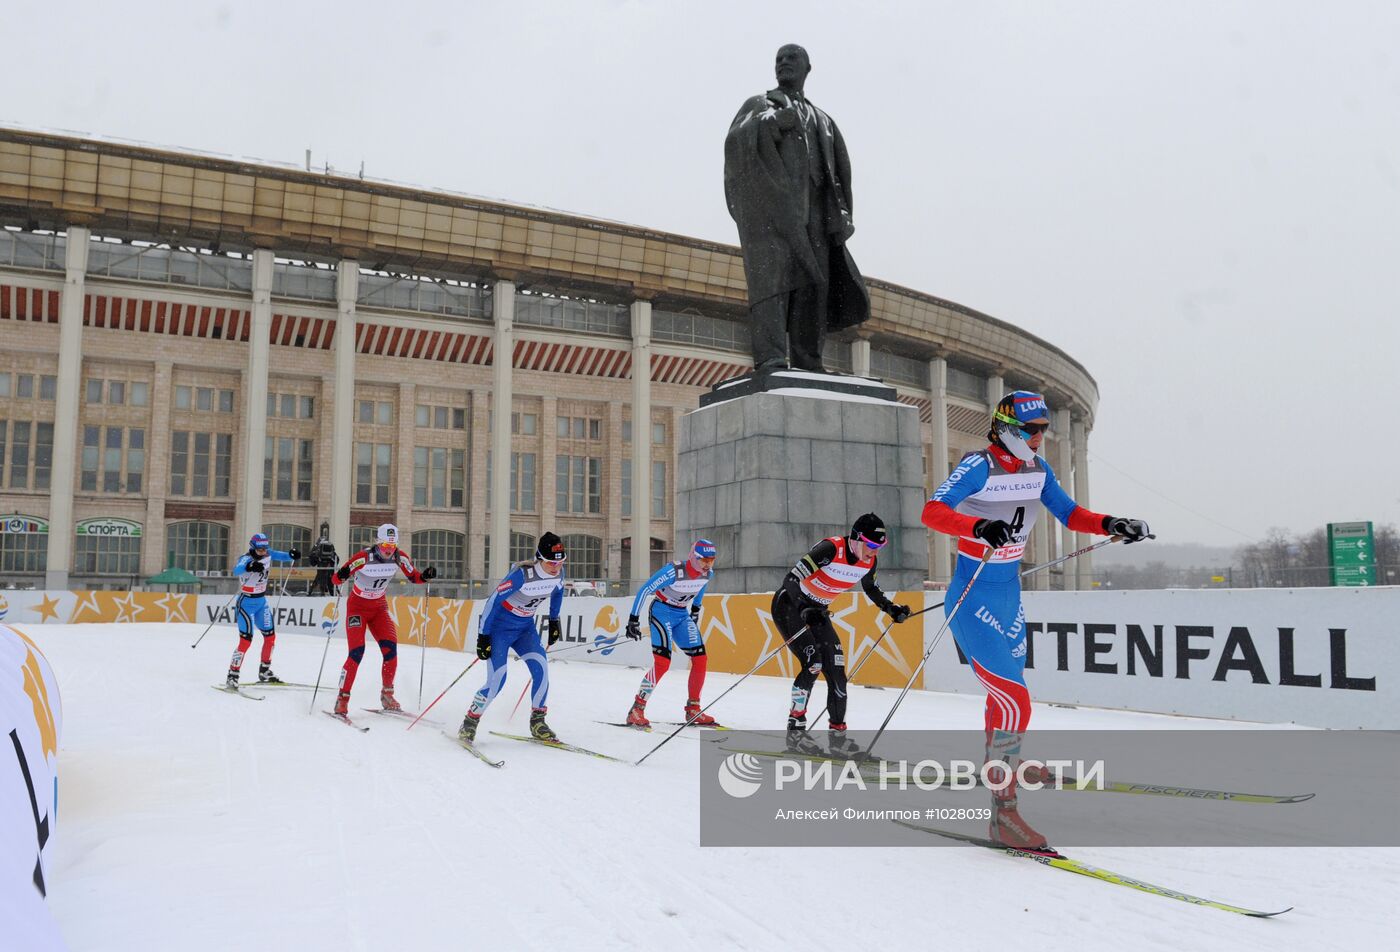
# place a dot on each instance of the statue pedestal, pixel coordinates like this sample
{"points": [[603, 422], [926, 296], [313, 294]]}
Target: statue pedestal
{"points": [[768, 474], [767, 381]]}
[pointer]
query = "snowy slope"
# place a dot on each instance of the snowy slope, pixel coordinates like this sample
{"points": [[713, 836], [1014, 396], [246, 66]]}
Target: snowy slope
{"points": [[194, 819]]}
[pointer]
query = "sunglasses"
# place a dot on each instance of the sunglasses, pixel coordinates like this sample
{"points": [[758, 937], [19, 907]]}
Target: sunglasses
{"points": [[869, 543], [1031, 429]]}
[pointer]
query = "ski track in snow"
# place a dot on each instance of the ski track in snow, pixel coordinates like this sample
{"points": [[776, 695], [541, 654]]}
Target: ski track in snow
{"points": [[192, 819]]}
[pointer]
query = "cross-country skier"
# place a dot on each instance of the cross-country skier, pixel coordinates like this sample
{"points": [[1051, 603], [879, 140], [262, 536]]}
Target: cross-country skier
{"points": [[366, 609], [991, 500], [251, 609], [831, 567], [676, 590], [508, 622]]}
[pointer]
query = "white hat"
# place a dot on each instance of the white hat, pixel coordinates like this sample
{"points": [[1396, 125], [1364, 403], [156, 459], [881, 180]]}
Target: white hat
{"points": [[388, 533]]}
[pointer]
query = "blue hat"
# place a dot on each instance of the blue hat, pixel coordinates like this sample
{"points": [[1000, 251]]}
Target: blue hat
{"points": [[704, 549], [259, 541], [1021, 406]]}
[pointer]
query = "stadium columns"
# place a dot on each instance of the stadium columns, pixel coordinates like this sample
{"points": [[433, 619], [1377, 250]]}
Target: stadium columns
{"points": [[157, 480], [1064, 467], [640, 569], [860, 356], [502, 394], [1079, 437], [255, 398], [65, 426], [996, 389], [347, 290], [938, 397]]}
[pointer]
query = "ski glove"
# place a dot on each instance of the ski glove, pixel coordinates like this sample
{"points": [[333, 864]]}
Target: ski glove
{"points": [[634, 628], [294, 553], [1132, 530], [995, 532], [813, 616], [256, 566], [428, 574], [899, 613], [695, 614], [483, 646], [555, 630]]}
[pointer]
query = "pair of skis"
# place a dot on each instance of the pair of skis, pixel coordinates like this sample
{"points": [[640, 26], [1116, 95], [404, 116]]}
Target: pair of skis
{"points": [[556, 744]]}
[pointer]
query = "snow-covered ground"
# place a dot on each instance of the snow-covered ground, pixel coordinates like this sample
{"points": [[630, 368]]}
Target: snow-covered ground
{"points": [[191, 819]]}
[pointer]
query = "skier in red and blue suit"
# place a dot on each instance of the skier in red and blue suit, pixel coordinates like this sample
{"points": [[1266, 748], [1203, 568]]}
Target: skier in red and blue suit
{"points": [[991, 500], [677, 590]]}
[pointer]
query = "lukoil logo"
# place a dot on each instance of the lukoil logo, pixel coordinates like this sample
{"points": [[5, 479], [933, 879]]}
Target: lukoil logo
{"points": [[740, 775]]}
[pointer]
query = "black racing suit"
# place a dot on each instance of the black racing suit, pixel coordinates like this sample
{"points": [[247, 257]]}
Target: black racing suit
{"points": [[818, 649]]}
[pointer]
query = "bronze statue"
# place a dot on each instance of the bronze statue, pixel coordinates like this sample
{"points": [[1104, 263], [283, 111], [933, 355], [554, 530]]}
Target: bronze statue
{"points": [[787, 179]]}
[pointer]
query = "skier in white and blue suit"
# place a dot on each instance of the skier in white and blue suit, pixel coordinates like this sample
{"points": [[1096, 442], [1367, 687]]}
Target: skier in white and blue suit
{"points": [[508, 622], [251, 609]]}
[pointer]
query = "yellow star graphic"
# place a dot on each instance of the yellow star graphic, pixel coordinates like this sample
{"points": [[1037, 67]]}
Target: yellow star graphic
{"points": [[48, 608], [127, 608]]}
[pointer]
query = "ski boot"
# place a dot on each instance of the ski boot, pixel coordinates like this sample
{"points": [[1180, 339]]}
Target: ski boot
{"points": [[387, 702], [1008, 828], [637, 716], [539, 729], [842, 746], [265, 675], [231, 682], [342, 704], [798, 740], [697, 719], [467, 732]]}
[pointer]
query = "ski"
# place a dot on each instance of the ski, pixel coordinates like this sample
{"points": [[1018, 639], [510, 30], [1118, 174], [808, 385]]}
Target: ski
{"points": [[473, 750], [277, 684], [1070, 784], [346, 721], [239, 691], [560, 745], [408, 715], [1058, 860], [712, 727], [632, 727]]}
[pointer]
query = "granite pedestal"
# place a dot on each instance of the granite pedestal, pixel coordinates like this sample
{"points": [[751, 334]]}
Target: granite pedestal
{"points": [[767, 475]]}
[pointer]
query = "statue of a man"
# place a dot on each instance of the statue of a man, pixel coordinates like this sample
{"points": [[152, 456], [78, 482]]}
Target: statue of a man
{"points": [[787, 179]]}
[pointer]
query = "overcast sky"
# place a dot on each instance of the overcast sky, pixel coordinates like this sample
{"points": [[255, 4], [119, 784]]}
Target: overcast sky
{"points": [[1200, 201]]}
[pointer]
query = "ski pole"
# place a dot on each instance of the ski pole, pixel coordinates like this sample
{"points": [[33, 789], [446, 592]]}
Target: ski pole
{"points": [[986, 557], [444, 691], [423, 645], [335, 622], [211, 621], [519, 699], [1028, 572], [761, 662]]}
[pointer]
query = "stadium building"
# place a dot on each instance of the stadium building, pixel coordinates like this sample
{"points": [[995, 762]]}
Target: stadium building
{"points": [[192, 348]]}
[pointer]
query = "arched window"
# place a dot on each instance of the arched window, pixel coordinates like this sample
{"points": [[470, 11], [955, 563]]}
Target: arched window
{"points": [[443, 549], [24, 544], [659, 554], [284, 537], [522, 549], [362, 537], [197, 547], [585, 556]]}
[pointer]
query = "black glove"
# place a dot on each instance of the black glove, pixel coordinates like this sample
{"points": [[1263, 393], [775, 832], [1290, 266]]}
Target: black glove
{"points": [[256, 566], [695, 614], [812, 616], [1132, 530], [634, 628], [339, 576], [483, 646], [428, 574], [994, 532], [899, 613], [294, 553], [556, 630]]}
